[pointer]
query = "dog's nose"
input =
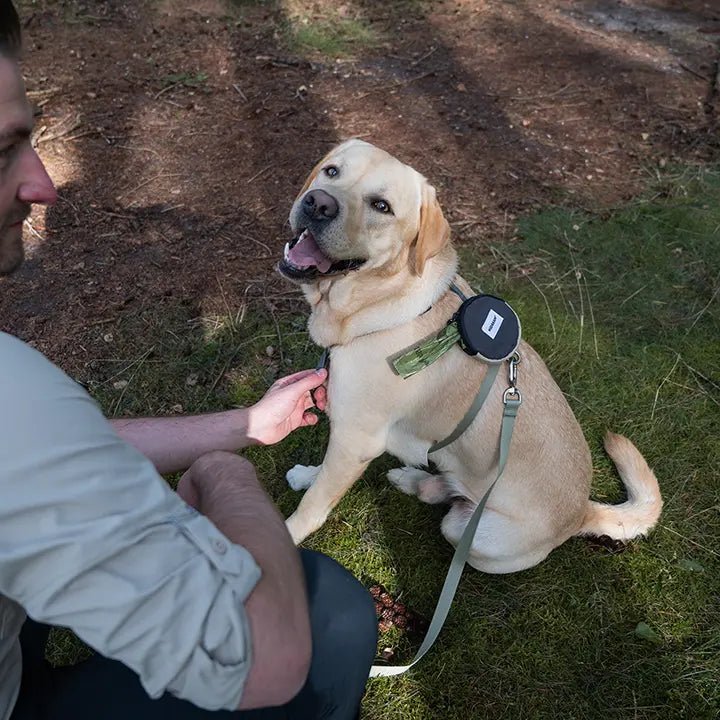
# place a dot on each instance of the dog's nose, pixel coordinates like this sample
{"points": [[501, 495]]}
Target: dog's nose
{"points": [[319, 205]]}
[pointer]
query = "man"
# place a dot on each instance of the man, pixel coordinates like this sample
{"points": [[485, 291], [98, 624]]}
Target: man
{"points": [[197, 603]]}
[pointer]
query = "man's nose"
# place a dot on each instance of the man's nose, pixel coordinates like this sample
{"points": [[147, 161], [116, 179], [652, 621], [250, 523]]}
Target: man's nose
{"points": [[35, 184]]}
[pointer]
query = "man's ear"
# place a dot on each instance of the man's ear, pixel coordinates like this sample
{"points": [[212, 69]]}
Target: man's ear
{"points": [[434, 232]]}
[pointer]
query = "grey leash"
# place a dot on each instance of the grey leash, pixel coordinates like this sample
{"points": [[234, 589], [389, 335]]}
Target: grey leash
{"points": [[511, 403]]}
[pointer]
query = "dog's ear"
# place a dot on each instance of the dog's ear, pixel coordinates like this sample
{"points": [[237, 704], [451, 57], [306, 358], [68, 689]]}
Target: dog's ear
{"points": [[434, 232]]}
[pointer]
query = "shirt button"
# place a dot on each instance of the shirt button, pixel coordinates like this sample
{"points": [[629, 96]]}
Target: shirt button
{"points": [[219, 546]]}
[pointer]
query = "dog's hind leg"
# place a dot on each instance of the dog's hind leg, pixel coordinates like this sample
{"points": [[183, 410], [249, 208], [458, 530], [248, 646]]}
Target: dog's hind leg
{"points": [[501, 544], [429, 488]]}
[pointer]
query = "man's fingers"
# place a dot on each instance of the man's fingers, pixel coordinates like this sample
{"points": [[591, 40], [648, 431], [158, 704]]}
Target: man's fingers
{"points": [[320, 397], [309, 418], [304, 380], [290, 379]]}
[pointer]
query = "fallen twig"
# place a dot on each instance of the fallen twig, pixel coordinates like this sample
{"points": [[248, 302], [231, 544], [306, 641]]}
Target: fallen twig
{"points": [[147, 182], [60, 133], [259, 173], [399, 83]]}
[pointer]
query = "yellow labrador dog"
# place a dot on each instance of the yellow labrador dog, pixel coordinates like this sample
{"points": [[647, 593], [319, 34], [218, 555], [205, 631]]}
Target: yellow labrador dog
{"points": [[372, 253]]}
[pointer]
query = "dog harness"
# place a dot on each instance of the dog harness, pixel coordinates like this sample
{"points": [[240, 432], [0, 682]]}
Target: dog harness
{"points": [[485, 327]]}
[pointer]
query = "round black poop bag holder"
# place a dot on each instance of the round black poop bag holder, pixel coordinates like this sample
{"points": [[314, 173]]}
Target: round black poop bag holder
{"points": [[489, 328]]}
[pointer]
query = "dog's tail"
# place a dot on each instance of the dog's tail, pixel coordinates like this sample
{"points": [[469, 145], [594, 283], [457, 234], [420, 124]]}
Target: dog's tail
{"points": [[639, 513]]}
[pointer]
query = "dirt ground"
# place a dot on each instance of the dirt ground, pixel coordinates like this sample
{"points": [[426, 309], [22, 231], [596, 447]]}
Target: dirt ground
{"points": [[179, 132]]}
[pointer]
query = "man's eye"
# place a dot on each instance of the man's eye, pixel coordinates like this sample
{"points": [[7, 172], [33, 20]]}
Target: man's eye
{"points": [[331, 171], [6, 154], [381, 206]]}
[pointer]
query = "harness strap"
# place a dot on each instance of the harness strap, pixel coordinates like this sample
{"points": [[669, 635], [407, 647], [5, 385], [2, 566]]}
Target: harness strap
{"points": [[458, 291], [461, 551], [480, 398], [324, 361]]}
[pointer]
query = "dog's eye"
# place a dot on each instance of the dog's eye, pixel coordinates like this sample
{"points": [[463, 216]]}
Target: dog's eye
{"points": [[331, 171], [381, 206]]}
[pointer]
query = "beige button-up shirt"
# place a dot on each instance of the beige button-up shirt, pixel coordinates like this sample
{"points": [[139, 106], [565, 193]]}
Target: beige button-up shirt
{"points": [[93, 539]]}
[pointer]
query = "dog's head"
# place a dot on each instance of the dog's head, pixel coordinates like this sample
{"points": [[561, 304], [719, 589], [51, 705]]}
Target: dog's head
{"points": [[362, 210]]}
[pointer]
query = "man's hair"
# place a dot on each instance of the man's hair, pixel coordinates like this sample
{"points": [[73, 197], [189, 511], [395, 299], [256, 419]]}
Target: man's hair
{"points": [[10, 38]]}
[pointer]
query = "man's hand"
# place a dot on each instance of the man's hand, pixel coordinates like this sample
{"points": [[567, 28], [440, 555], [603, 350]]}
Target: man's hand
{"points": [[286, 406], [175, 443]]}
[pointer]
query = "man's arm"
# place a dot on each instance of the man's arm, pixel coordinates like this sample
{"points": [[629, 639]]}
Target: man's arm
{"points": [[174, 443], [224, 488], [93, 539]]}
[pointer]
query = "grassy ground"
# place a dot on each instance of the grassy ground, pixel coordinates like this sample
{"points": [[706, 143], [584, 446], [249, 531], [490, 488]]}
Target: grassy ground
{"points": [[624, 308]]}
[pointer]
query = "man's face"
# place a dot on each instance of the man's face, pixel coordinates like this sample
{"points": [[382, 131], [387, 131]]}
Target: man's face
{"points": [[23, 179]]}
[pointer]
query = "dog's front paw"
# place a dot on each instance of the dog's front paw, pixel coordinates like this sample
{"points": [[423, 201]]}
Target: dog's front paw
{"points": [[301, 477]]}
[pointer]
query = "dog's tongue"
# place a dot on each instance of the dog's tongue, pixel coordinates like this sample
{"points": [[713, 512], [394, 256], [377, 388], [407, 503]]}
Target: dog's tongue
{"points": [[306, 253]]}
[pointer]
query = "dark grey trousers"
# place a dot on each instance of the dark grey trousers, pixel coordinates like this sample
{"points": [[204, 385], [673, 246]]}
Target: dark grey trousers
{"points": [[344, 633]]}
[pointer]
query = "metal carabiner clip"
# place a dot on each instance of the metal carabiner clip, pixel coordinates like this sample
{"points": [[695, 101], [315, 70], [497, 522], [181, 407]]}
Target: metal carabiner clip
{"points": [[512, 391]]}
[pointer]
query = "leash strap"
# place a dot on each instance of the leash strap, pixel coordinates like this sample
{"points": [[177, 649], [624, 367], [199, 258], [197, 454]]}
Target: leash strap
{"points": [[480, 398], [461, 551]]}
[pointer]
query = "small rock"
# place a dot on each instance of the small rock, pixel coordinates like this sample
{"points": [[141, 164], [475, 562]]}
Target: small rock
{"points": [[120, 384]]}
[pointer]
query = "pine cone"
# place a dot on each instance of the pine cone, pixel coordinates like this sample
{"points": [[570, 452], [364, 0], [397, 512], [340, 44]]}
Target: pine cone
{"points": [[401, 622], [376, 591], [388, 614], [387, 600], [400, 609], [383, 626]]}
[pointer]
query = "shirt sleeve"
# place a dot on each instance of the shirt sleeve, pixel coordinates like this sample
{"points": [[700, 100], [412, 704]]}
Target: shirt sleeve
{"points": [[92, 538]]}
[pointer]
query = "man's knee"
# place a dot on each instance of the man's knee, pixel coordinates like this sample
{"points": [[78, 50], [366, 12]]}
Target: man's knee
{"points": [[219, 462], [340, 607]]}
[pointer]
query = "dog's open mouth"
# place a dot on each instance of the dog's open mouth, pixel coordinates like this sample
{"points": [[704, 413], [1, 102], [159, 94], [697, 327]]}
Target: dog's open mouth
{"points": [[303, 259]]}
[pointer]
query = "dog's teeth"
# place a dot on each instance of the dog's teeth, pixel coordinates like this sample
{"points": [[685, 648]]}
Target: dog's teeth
{"points": [[287, 250], [303, 234]]}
